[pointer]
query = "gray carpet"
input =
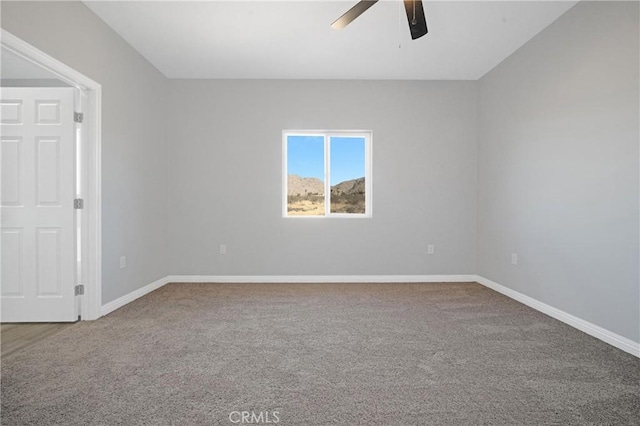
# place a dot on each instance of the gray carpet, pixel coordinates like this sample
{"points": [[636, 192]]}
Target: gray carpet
{"points": [[322, 354]]}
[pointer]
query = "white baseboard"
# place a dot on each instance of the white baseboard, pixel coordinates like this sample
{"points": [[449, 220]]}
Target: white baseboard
{"points": [[128, 298], [598, 332], [591, 329], [320, 278]]}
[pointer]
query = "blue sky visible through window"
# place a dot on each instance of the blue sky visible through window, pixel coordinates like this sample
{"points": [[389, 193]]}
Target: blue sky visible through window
{"points": [[305, 157], [347, 159]]}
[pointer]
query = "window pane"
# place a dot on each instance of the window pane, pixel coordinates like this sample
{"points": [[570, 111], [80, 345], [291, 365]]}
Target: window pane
{"points": [[347, 174], [305, 175]]}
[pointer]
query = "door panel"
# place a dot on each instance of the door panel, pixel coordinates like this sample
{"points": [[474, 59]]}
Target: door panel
{"points": [[11, 165], [11, 240], [38, 226], [11, 111], [48, 171]]}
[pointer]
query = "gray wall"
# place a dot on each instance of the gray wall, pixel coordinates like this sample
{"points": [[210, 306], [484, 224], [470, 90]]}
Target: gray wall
{"points": [[558, 167], [553, 175], [225, 178], [134, 159], [11, 82]]}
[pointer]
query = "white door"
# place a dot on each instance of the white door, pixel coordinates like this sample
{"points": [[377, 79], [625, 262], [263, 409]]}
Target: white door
{"points": [[37, 135]]}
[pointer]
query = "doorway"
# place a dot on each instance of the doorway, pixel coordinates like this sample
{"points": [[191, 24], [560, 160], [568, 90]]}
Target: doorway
{"points": [[62, 264]]}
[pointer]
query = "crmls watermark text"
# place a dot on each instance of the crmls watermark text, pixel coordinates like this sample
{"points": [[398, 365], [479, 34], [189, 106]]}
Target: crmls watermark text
{"points": [[251, 417]]}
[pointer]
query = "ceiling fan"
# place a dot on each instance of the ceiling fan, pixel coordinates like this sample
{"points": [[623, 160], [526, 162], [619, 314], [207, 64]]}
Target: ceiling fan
{"points": [[415, 16]]}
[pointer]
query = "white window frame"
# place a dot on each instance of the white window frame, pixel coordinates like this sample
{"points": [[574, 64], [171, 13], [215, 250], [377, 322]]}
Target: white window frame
{"points": [[367, 135]]}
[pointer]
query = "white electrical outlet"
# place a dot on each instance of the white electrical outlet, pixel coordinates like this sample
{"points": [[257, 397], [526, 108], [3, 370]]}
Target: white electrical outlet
{"points": [[514, 259], [223, 249], [123, 262], [431, 249]]}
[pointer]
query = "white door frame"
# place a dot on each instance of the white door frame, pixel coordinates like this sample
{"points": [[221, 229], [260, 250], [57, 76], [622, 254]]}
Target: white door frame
{"points": [[90, 103]]}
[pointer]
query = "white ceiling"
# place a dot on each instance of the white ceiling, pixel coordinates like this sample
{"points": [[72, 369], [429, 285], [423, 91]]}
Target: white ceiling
{"points": [[294, 40]]}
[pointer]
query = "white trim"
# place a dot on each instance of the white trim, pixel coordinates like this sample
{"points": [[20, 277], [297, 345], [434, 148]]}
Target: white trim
{"points": [[591, 329], [92, 173], [367, 135], [136, 294], [320, 278], [42, 60]]}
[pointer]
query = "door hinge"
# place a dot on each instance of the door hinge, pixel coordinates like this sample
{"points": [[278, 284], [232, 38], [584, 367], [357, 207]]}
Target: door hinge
{"points": [[79, 290], [77, 117], [78, 204]]}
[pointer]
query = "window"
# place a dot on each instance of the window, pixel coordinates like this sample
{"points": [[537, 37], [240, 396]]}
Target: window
{"points": [[326, 174]]}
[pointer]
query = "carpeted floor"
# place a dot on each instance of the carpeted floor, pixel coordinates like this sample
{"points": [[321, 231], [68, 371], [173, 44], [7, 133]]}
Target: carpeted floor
{"points": [[321, 354]]}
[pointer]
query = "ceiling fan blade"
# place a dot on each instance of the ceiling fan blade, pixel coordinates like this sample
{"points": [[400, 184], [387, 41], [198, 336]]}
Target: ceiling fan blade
{"points": [[351, 14], [416, 18]]}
